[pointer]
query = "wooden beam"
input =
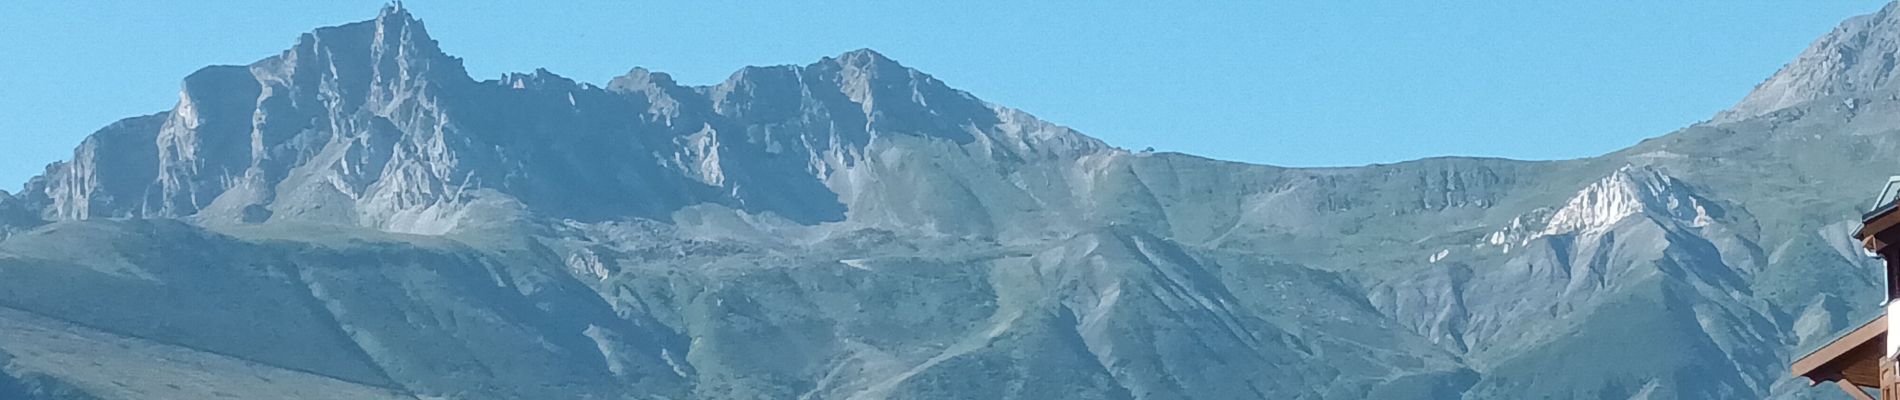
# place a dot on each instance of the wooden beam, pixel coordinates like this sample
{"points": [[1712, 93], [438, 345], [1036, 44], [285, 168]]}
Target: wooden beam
{"points": [[1880, 223], [1840, 355], [1878, 241], [1853, 391]]}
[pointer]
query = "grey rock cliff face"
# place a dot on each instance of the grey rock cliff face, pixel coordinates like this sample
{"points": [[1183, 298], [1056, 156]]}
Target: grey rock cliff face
{"points": [[371, 122], [357, 217]]}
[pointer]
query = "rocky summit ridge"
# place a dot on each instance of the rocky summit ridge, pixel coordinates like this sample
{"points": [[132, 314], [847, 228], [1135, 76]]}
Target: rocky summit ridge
{"points": [[1858, 57], [357, 217], [370, 123]]}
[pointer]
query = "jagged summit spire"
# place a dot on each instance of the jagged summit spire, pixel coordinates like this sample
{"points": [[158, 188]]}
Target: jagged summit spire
{"points": [[394, 24], [394, 16], [395, 19], [393, 8], [395, 46]]}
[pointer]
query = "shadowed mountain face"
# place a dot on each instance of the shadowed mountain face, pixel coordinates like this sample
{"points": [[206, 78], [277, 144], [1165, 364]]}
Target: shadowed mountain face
{"points": [[357, 218]]}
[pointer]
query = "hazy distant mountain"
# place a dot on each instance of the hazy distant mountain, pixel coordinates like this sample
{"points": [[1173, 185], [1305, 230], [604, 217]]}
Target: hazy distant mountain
{"points": [[1857, 57], [357, 218]]}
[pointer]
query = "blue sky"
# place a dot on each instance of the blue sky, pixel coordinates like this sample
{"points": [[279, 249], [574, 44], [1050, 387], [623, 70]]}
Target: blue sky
{"points": [[1301, 83]]}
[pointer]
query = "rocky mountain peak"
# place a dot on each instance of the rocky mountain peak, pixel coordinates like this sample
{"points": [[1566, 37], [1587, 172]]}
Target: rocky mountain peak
{"points": [[394, 22], [540, 78], [865, 75], [1630, 191], [370, 123], [650, 239], [1859, 56], [868, 61], [392, 50], [640, 78], [392, 27]]}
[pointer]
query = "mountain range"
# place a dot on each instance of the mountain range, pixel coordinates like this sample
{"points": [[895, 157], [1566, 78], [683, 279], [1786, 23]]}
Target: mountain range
{"points": [[356, 217]]}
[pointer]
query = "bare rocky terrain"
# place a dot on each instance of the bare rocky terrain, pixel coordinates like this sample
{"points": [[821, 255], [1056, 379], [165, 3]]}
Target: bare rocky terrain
{"points": [[356, 217]]}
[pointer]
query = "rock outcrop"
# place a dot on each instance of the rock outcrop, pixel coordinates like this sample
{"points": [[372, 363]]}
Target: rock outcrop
{"points": [[357, 218]]}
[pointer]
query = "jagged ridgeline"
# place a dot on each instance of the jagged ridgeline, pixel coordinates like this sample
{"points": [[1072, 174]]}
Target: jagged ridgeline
{"points": [[358, 218]]}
